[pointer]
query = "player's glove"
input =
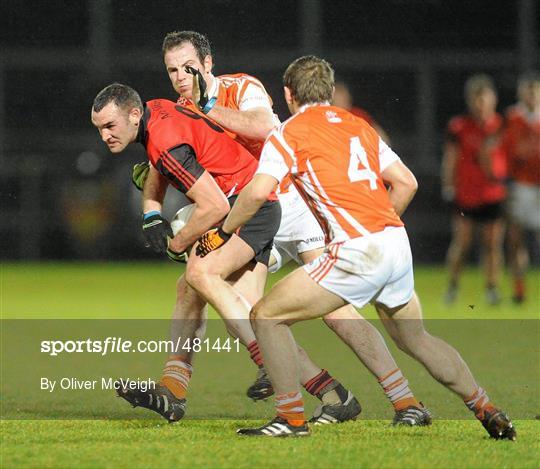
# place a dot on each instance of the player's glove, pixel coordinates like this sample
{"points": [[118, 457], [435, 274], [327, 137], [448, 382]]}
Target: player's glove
{"points": [[177, 257], [211, 240], [199, 91], [156, 229], [139, 174]]}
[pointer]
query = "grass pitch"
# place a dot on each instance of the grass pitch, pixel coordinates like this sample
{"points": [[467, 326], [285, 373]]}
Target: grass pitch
{"points": [[107, 433]]}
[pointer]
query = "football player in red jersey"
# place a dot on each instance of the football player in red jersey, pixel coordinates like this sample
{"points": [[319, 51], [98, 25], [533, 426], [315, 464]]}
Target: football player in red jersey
{"points": [[521, 140], [198, 158], [473, 173]]}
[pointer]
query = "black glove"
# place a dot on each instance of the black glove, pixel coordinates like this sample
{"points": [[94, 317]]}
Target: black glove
{"points": [[139, 174], [199, 92], [156, 229]]}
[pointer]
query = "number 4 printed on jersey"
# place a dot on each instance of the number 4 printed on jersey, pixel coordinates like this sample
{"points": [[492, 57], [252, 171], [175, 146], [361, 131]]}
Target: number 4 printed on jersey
{"points": [[359, 169]]}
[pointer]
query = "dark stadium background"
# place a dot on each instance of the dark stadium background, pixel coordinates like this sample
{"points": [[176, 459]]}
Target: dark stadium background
{"points": [[63, 196]]}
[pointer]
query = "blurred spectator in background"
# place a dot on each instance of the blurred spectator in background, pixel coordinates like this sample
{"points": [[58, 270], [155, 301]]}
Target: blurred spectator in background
{"points": [[87, 198], [522, 145], [473, 173], [344, 99]]}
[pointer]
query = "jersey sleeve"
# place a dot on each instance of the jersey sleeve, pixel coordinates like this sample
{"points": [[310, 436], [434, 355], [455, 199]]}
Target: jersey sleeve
{"points": [[180, 166], [276, 160], [252, 96], [387, 156]]}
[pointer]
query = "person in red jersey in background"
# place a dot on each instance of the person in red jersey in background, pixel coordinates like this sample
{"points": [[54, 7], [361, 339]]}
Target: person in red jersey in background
{"points": [[343, 98], [521, 141], [473, 173]]}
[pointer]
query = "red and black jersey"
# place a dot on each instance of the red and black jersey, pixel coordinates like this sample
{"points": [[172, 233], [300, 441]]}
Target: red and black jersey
{"points": [[182, 144], [473, 186], [522, 144]]}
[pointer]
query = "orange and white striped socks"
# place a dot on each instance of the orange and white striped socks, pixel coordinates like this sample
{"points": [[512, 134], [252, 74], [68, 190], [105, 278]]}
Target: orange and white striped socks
{"points": [[396, 388], [478, 402], [291, 408], [176, 376]]}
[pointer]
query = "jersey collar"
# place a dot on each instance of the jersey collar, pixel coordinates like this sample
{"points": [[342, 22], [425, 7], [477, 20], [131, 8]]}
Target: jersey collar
{"points": [[305, 106], [142, 133]]}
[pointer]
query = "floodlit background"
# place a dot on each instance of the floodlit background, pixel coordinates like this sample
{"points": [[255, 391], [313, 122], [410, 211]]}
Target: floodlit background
{"points": [[65, 197]]}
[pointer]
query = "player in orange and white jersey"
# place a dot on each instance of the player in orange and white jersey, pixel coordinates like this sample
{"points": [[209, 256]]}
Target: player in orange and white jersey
{"points": [[342, 167], [240, 104]]}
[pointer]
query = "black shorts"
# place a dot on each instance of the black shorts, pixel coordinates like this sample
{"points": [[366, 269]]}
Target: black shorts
{"points": [[483, 213], [259, 232]]}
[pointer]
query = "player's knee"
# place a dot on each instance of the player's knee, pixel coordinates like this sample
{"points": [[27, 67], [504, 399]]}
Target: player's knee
{"points": [[261, 311], [257, 312], [197, 276], [339, 318]]}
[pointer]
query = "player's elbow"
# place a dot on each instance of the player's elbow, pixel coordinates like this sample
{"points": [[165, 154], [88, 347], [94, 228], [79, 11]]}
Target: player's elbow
{"points": [[408, 183], [264, 129], [412, 184], [259, 195], [220, 209], [262, 125], [214, 210]]}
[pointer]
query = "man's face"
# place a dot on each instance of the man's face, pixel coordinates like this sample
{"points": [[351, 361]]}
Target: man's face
{"points": [[176, 60], [483, 103], [529, 94], [117, 127]]}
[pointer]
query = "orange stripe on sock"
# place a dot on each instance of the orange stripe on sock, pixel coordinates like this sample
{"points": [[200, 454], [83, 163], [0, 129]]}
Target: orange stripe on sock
{"points": [[388, 375], [407, 402]]}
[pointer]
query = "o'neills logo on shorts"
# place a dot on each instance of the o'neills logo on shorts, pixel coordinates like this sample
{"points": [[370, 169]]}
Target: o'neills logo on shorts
{"points": [[314, 239]]}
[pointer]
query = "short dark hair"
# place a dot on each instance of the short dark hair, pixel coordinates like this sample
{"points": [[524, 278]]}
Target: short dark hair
{"points": [[123, 96], [310, 79], [199, 41]]}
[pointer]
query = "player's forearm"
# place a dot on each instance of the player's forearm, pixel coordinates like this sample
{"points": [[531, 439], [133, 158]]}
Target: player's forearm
{"points": [[154, 191], [254, 124], [247, 205], [401, 196], [448, 165], [202, 220]]}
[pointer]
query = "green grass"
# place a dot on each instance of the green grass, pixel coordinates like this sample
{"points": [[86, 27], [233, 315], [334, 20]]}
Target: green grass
{"points": [[140, 443], [105, 432], [146, 290]]}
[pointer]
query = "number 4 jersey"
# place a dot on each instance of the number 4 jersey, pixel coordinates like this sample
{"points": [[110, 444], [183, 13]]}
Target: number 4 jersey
{"points": [[335, 160]]}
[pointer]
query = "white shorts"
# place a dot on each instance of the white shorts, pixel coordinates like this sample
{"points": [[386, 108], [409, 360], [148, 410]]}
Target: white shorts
{"points": [[298, 232], [523, 205], [373, 268]]}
